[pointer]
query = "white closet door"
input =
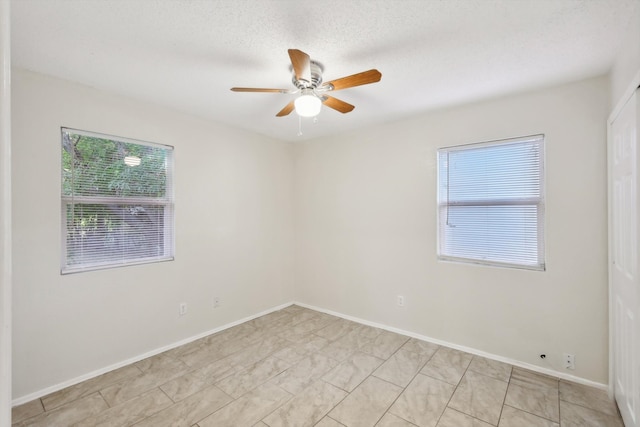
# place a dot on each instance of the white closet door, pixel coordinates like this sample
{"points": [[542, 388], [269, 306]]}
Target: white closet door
{"points": [[625, 284]]}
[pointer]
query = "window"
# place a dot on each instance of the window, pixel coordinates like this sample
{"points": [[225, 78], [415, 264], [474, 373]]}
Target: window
{"points": [[117, 201], [491, 203]]}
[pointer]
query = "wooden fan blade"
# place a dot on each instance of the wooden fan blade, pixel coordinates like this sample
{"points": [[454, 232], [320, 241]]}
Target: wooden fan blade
{"points": [[286, 110], [337, 104], [359, 79], [255, 89], [301, 64]]}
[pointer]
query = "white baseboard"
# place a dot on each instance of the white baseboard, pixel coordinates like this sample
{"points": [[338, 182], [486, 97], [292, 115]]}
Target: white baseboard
{"points": [[535, 368], [40, 393], [88, 376]]}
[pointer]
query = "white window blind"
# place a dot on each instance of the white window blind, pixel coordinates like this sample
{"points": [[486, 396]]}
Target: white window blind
{"points": [[491, 203], [117, 201]]}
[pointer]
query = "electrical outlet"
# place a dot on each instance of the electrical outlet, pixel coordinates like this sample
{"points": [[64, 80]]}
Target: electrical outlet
{"points": [[400, 301], [216, 302], [569, 361], [183, 309]]}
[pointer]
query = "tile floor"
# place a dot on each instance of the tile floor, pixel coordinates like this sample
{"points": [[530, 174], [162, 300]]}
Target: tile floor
{"points": [[298, 367]]}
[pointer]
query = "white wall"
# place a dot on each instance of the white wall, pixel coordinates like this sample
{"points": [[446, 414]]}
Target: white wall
{"points": [[5, 214], [365, 209], [626, 67], [234, 236]]}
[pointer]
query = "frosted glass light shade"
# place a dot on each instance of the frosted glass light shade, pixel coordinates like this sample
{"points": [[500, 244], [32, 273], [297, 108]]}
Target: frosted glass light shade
{"points": [[308, 105]]}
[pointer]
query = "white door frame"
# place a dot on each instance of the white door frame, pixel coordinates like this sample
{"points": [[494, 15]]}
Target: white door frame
{"points": [[612, 117], [614, 114]]}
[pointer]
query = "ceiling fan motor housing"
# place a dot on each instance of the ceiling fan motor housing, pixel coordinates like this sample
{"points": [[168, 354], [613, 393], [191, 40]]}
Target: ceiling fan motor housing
{"points": [[316, 77]]}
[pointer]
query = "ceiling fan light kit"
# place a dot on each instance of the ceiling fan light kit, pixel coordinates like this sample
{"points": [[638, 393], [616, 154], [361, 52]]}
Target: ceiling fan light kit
{"points": [[307, 78], [308, 104]]}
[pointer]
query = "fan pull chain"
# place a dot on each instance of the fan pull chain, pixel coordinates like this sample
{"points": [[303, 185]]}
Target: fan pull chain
{"points": [[315, 120]]}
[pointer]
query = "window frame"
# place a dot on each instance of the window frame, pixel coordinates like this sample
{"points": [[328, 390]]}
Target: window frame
{"points": [[539, 202], [168, 212]]}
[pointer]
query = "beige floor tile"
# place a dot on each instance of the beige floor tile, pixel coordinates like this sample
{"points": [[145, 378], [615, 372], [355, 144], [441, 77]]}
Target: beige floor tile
{"points": [[155, 375], [369, 332], [447, 365], [294, 308], [245, 380], [261, 334], [293, 320], [26, 410], [194, 345], [453, 418], [423, 401], [248, 409], [512, 417], [214, 350], [92, 385], [424, 348], [189, 411], [328, 422], [292, 334], [541, 401], [267, 319], [479, 396], [130, 412], [491, 368], [588, 397], [298, 367], [328, 317], [258, 351], [299, 332], [69, 413], [385, 344], [366, 404], [337, 329], [304, 373], [350, 373], [294, 352], [312, 343], [572, 415], [199, 379], [390, 420], [159, 362], [316, 323], [297, 317], [401, 367], [345, 346], [227, 336], [308, 407], [232, 334], [291, 354], [531, 379]]}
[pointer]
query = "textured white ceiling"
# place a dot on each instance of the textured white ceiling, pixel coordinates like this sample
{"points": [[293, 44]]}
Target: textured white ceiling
{"points": [[186, 54]]}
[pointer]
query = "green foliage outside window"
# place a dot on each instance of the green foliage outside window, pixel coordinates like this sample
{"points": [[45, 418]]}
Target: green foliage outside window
{"points": [[95, 167]]}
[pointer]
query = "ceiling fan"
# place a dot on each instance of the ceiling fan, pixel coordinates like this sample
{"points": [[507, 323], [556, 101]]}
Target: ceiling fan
{"points": [[307, 78]]}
